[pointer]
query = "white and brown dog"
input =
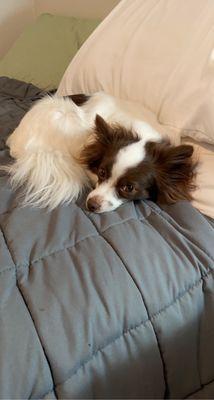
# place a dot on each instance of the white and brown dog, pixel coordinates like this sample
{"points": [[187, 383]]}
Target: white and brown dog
{"points": [[63, 144]]}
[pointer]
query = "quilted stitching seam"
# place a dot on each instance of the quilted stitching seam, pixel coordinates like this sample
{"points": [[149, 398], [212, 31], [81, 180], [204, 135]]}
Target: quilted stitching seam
{"points": [[8, 268], [26, 264], [14, 268], [128, 331], [201, 388], [163, 216], [10, 210], [173, 248], [36, 331], [30, 262]]}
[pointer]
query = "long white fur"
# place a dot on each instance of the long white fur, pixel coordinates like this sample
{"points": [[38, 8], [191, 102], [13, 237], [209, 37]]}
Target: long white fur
{"points": [[49, 139], [48, 178]]}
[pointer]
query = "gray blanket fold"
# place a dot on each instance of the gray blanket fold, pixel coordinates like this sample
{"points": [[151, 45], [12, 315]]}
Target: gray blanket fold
{"points": [[118, 305]]}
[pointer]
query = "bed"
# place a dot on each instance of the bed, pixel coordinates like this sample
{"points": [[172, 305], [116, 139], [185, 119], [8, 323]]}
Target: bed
{"points": [[118, 305], [102, 306]]}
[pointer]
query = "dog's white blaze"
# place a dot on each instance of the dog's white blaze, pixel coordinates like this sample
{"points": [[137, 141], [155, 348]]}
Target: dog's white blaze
{"points": [[128, 157]]}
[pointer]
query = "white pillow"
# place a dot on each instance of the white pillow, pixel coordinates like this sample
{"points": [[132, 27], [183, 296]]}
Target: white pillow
{"points": [[158, 53]]}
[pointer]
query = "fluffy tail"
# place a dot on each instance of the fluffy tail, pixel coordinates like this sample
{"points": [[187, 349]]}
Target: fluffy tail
{"points": [[48, 178]]}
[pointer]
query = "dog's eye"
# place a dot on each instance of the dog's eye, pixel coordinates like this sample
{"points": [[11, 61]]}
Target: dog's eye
{"points": [[102, 173], [128, 188]]}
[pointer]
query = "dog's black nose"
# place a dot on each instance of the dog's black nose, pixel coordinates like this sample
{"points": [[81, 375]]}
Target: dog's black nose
{"points": [[94, 204]]}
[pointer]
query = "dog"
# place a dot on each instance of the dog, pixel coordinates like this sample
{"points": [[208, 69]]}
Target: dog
{"points": [[64, 145]]}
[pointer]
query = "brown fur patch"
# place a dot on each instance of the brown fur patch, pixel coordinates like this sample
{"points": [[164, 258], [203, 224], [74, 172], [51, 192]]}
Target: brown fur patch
{"points": [[108, 140], [78, 99], [166, 174], [175, 170]]}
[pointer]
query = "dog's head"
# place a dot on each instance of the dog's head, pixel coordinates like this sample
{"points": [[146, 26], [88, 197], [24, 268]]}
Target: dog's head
{"points": [[127, 168]]}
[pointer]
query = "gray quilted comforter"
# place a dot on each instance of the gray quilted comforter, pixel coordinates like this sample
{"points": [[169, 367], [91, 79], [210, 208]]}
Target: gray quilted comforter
{"points": [[112, 306]]}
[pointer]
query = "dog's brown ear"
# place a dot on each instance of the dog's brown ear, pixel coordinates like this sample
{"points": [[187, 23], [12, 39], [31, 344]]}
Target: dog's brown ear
{"points": [[91, 156], [174, 171], [113, 136], [101, 124], [102, 129], [93, 151]]}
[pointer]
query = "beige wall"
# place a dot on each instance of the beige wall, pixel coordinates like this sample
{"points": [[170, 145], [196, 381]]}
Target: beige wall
{"points": [[79, 8], [16, 14]]}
